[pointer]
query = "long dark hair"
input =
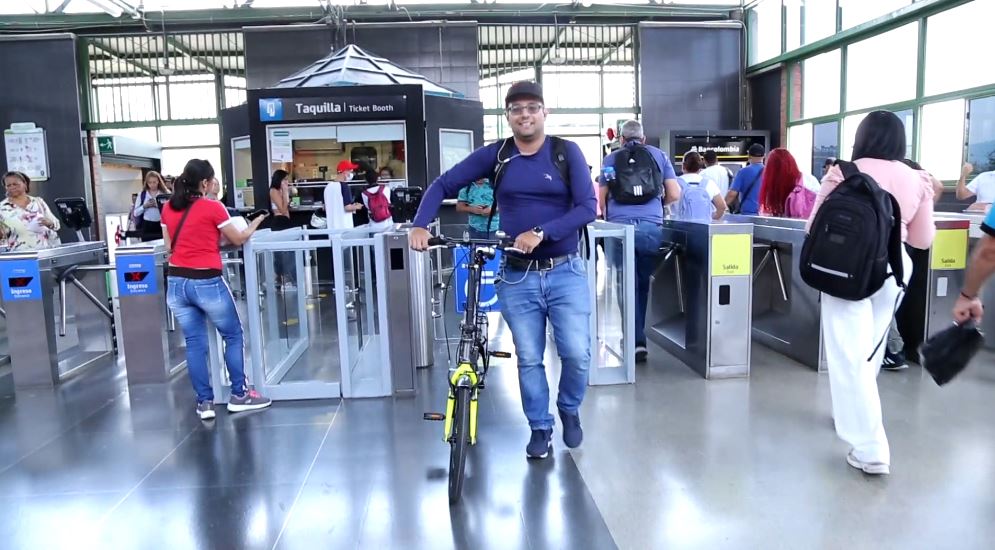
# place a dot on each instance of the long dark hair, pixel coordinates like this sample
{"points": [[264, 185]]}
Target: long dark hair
{"points": [[881, 135], [277, 180], [186, 187]]}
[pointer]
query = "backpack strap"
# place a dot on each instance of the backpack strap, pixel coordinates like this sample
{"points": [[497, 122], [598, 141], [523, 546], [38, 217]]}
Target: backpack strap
{"points": [[848, 168], [560, 158], [499, 165]]}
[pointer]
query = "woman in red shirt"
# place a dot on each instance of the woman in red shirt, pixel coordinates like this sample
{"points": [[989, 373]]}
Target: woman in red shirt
{"points": [[192, 228]]}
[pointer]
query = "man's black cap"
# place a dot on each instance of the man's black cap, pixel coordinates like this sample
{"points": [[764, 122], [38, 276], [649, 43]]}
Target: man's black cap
{"points": [[757, 150], [523, 88]]}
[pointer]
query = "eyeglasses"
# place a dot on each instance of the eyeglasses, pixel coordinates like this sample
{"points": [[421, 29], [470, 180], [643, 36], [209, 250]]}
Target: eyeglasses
{"points": [[531, 108]]}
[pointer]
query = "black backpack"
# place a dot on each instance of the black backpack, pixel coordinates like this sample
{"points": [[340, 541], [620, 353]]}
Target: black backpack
{"points": [[855, 241], [638, 179]]}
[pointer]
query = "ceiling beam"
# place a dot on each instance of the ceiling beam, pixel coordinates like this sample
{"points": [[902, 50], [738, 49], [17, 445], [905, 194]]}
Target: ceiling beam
{"points": [[62, 6], [117, 55], [180, 47]]}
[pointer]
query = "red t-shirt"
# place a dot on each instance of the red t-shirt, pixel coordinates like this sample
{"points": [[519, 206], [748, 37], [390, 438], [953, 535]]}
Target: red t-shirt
{"points": [[198, 246]]}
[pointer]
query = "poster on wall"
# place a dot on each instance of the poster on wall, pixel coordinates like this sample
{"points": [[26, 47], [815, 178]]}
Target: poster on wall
{"points": [[26, 151], [281, 147]]}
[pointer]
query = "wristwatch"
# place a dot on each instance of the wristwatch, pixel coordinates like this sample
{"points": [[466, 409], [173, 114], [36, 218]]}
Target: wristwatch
{"points": [[537, 230]]}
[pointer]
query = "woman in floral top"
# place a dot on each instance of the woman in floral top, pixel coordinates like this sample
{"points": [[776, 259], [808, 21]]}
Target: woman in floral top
{"points": [[26, 222]]}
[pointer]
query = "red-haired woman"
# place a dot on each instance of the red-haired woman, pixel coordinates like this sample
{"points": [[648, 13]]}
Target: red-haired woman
{"points": [[781, 176]]}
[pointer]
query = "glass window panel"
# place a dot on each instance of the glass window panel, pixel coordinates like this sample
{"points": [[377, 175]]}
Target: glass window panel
{"points": [[190, 136], [800, 145], [952, 36], [825, 145], [564, 124], [192, 100], [173, 160], [981, 135], [620, 89], [907, 119], [871, 80], [850, 124], [571, 89], [793, 24], [855, 12], [493, 127], [765, 31], [454, 146], [820, 20], [821, 85], [942, 141]]}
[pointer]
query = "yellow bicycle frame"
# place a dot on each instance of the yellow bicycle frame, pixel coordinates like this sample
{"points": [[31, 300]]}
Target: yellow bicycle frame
{"points": [[464, 369]]}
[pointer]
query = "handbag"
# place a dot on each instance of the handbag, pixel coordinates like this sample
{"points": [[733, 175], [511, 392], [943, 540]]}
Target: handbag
{"points": [[945, 354]]}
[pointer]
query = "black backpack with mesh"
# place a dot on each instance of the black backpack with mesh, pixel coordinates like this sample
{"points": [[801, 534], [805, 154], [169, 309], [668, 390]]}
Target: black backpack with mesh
{"points": [[854, 244]]}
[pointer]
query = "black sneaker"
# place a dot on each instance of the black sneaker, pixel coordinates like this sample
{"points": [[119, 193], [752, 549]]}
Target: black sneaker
{"points": [[573, 434], [894, 361], [205, 410], [640, 353], [540, 445]]}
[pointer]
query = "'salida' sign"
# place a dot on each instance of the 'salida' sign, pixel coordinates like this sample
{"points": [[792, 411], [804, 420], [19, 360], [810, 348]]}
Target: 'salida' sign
{"points": [[332, 108]]}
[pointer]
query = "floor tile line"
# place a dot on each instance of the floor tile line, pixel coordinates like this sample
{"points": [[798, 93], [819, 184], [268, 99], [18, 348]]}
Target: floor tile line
{"points": [[307, 476], [49, 441], [107, 515]]}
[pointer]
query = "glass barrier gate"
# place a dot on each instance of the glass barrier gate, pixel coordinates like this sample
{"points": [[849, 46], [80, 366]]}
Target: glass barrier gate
{"points": [[611, 278], [310, 340]]}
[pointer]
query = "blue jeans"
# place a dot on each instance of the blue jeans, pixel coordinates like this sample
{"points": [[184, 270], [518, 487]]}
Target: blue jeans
{"points": [[528, 299], [648, 239], [480, 234], [193, 302]]}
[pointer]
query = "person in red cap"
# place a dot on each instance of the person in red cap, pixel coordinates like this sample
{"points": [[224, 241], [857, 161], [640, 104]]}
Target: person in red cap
{"points": [[338, 192]]}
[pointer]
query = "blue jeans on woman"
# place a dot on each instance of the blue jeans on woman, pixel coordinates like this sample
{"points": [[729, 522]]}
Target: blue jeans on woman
{"points": [[561, 295], [193, 302]]}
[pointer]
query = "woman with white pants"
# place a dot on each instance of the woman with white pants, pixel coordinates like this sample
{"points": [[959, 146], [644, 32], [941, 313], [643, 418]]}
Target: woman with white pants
{"points": [[852, 329]]}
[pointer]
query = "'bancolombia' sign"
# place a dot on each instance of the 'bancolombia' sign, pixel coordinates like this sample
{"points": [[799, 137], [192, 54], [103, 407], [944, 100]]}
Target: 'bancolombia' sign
{"points": [[338, 108]]}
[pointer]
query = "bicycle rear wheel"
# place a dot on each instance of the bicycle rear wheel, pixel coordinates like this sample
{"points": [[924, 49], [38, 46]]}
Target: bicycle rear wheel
{"points": [[459, 443]]}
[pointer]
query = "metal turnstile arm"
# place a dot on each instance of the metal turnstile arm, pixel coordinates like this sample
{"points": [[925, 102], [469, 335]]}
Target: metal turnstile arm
{"points": [[772, 254]]}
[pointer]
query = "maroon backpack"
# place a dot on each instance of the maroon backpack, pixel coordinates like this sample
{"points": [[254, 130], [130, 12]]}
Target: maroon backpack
{"points": [[378, 204]]}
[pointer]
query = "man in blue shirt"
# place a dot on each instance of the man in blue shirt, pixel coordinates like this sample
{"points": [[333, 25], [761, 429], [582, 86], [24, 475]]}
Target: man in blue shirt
{"points": [[746, 185], [476, 201], [645, 218], [979, 269], [547, 282]]}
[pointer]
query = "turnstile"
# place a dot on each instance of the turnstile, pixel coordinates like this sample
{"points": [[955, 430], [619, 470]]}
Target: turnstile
{"points": [[975, 219], [59, 298], [786, 311], [407, 282], [701, 296], [937, 277], [153, 345]]}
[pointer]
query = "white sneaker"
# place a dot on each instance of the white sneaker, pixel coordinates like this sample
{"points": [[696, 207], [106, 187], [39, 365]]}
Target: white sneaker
{"points": [[873, 468]]}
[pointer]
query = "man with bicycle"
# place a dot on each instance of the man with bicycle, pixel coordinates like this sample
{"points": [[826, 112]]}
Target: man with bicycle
{"points": [[548, 280]]}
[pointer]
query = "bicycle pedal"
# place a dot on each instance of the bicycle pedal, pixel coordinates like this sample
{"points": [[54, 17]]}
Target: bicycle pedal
{"points": [[500, 354], [436, 417]]}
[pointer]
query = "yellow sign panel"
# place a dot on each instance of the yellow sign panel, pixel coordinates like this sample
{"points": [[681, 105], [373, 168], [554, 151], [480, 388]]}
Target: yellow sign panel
{"points": [[731, 254], [950, 249]]}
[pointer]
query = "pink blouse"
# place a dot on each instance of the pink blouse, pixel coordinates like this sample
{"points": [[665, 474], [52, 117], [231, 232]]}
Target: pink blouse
{"points": [[912, 189]]}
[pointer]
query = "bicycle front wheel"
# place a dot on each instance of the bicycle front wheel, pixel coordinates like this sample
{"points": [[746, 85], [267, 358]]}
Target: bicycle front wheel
{"points": [[459, 443]]}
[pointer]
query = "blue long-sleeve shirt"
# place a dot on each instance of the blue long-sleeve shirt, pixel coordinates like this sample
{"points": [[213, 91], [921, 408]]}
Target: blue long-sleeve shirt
{"points": [[531, 193]]}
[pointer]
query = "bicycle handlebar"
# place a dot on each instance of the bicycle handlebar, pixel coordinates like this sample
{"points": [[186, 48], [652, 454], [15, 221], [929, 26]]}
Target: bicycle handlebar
{"points": [[501, 244]]}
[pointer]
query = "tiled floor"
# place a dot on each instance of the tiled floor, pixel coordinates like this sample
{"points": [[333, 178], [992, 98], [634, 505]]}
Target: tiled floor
{"points": [[673, 461]]}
